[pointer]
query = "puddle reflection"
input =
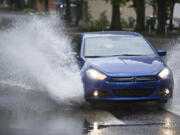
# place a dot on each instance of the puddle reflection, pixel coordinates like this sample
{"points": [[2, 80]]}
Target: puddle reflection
{"points": [[52, 123]]}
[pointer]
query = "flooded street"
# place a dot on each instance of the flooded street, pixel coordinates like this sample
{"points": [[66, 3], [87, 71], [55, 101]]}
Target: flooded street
{"points": [[45, 96]]}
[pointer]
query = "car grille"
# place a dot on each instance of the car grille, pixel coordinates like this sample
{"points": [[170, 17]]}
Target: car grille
{"points": [[142, 92], [133, 79]]}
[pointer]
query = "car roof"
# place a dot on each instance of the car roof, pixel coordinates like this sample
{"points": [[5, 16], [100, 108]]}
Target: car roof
{"points": [[109, 33]]}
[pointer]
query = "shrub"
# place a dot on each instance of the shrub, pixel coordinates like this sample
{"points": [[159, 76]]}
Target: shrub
{"points": [[29, 10], [128, 23], [100, 24], [131, 21]]}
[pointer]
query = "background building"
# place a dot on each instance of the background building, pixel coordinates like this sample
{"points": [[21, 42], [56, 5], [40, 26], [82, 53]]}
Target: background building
{"points": [[98, 6], [40, 6]]}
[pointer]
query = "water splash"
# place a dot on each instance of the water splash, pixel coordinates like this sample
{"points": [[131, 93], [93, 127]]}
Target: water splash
{"points": [[36, 54], [173, 62]]}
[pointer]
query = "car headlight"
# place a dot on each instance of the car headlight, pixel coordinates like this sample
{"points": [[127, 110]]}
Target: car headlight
{"points": [[164, 73], [94, 74]]}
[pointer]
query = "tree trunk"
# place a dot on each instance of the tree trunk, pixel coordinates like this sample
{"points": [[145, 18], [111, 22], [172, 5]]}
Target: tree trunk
{"points": [[2, 1], [11, 3], [80, 11], [153, 3], [19, 4], [115, 22], [46, 2], [22, 2], [68, 11], [162, 14], [140, 15], [171, 14], [31, 4], [171, 19]]}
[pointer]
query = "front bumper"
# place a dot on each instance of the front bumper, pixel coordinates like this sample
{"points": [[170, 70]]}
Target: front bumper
{"points": [[116, 91]]}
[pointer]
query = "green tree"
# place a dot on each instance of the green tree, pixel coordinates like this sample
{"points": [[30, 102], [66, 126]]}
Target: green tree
{"points": [[153, 3], [18, 4], [68, 11], [1, 1], [116, 16], [171, 4], [139, 6], [11, 3], [162, 16], [46, 4], [31, 4], [80, 11], [161, 7], [83, 12]]}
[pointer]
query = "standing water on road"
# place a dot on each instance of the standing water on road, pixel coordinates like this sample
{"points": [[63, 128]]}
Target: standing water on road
{"points": [[36, 55]]}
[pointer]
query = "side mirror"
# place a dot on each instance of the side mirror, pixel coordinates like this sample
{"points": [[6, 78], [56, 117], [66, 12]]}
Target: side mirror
{"points": [[162, 52]]}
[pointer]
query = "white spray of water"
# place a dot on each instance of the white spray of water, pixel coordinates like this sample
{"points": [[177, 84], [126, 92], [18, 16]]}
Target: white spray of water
{"points": [[35, 53], [173, 61]]}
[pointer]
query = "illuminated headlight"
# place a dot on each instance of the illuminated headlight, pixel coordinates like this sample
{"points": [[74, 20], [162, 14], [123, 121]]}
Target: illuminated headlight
{"points": [[95, 93], [94, 74], [164, 73], [166, 91]]}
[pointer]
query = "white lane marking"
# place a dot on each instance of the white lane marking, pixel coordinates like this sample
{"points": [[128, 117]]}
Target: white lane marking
{"points": [[102, 118]]}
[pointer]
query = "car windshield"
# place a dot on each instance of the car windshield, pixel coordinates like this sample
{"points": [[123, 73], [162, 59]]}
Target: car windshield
{"points": [[117, 46]]}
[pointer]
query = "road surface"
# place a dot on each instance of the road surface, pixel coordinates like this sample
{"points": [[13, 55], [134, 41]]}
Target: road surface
{"points": [[34, 113]]}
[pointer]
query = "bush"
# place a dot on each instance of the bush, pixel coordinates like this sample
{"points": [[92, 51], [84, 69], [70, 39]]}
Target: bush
{"points": [[103, 21], [128, 23], [29, 10], [100, 24], [131, 22], [124, 23]]}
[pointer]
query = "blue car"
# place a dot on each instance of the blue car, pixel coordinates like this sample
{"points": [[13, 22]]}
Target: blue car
{"points": [[118, 66]]}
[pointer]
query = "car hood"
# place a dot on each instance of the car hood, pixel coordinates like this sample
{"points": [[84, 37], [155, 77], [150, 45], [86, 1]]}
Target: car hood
{"points": [[127, 65]]}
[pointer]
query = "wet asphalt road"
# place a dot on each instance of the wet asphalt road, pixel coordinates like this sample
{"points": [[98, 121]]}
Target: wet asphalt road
{"points": [[30, 112]]}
